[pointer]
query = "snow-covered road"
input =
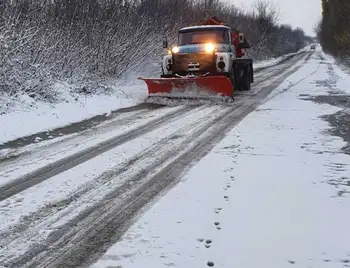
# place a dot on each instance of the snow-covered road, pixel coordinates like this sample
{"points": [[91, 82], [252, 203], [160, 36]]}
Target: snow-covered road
{"points": [[274, 193], [64, 202]]}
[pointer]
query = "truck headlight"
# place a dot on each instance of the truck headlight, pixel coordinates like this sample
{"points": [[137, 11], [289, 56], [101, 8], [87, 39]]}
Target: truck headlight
{"points": [[209, 47], [175, 50], [221, 65]]}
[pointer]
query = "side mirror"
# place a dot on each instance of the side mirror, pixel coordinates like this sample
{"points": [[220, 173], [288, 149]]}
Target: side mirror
{"points": [[165, 43]]}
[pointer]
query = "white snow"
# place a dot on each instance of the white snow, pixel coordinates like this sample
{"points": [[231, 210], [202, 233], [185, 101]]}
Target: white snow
{"points": [[274, 61], [204, 27], [29, 117], [36, 156], [90, 174], [264, 196]]}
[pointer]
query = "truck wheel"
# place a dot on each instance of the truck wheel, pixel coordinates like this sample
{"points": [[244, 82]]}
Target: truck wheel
{"points": [[246, 79], [246, 83], [249, 78], [251, 73], [241, 79]]}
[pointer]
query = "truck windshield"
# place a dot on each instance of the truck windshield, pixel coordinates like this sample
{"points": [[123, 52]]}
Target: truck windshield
{"points": [[203, 36]]}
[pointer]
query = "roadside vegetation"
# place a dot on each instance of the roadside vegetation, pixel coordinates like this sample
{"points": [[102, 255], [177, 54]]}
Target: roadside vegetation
{"points": [[334, 28], [91, 43]]}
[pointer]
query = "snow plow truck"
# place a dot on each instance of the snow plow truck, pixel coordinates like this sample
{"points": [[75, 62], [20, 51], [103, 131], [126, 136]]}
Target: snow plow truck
{"points": [[208, 62]]}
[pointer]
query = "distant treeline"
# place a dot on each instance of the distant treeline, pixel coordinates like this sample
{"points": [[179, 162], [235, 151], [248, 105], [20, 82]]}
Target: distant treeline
{"points": [[98, 40], [334, 28]]}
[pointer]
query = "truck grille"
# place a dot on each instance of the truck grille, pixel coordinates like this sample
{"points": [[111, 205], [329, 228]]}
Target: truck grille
{"points": [[183, 63]]}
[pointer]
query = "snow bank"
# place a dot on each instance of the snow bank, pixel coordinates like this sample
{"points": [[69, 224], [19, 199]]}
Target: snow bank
{"points": [[266, 63], [29, 117], [340, 74], [274, 193], [340, 70], [274, 61]]}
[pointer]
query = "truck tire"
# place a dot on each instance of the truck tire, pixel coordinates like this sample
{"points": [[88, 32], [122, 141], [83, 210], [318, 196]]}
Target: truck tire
{"points": [[241, 79], [251, 73], [246, 79], [243, 82]]}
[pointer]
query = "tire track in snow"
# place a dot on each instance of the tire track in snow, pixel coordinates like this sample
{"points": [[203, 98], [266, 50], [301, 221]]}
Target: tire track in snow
{"points": [[46, 172], [30, 226], [59, 240], [106, 223], [83, 240], [55, 150], [77, 127], [140, 176], [67, 133]]}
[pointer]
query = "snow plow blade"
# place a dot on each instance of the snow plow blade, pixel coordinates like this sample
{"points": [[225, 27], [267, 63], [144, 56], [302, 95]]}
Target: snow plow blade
{"points": [[208, 87]]}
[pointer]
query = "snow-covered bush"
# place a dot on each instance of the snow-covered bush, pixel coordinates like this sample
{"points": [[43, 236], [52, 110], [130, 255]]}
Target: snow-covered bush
{"points": [[90, 42]]}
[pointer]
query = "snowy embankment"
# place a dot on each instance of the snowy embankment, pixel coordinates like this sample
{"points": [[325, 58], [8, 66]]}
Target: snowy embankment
{"points": [[274, 61], [274, 193], [28, 117], [31, 117]]}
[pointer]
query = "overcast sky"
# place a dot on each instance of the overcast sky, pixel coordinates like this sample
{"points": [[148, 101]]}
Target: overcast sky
{"points": [[298, 13]]}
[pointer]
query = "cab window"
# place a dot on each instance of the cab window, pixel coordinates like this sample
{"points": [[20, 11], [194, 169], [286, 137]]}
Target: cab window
{"points": [[204, 36]]}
